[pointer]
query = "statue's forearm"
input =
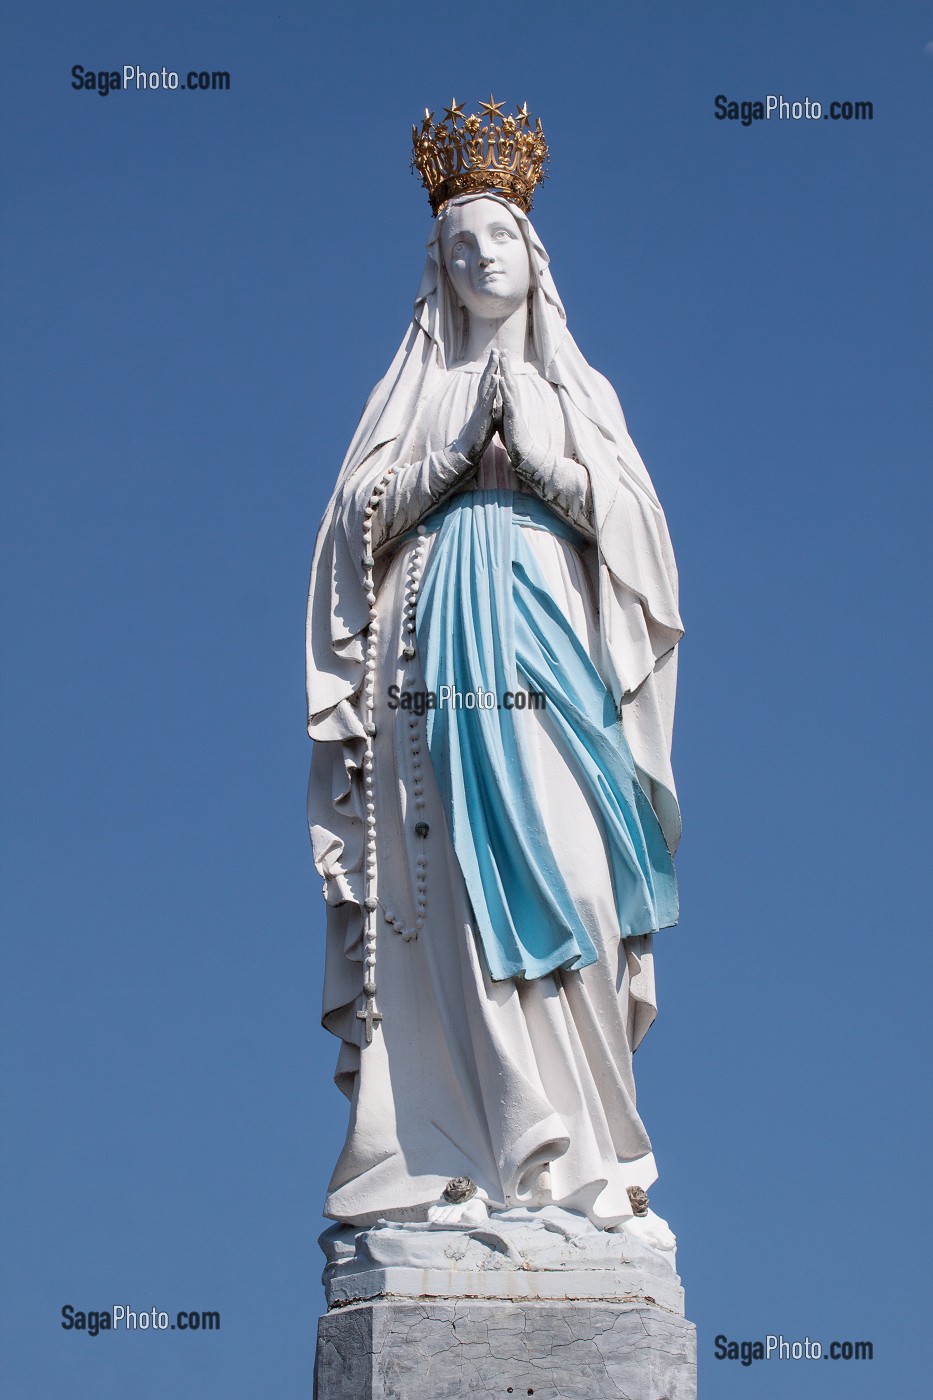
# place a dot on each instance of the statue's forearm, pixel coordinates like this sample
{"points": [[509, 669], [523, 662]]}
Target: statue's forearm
{"points": [[564, 484], [413, 491]]}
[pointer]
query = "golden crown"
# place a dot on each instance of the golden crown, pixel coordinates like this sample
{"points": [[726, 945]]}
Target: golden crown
{"points": [[465, 155]]}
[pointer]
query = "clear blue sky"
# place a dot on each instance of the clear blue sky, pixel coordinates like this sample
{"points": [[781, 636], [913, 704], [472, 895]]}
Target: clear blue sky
{"points": [[198, 292]]}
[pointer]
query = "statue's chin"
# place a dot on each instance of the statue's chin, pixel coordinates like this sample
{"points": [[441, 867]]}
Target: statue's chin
{"points": [[494, 303]]}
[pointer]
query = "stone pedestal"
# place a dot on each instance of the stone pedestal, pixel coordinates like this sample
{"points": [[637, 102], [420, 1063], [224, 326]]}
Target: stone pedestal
{"points": [[516, 1303], [399, 1349]]}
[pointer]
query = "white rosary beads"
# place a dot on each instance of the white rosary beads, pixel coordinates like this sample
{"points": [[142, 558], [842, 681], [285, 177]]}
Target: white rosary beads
{"points": [[370, 1015], [409, 624]]}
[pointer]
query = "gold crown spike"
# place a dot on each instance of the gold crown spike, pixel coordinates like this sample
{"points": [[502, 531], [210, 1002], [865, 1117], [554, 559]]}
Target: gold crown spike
{"points": [[465, 155]]}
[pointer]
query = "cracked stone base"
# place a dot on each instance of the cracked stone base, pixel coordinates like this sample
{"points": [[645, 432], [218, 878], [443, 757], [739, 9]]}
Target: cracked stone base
{"points": [[405, 1350]]}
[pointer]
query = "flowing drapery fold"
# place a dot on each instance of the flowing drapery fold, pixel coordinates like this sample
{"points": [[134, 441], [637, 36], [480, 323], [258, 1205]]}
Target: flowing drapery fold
{"points": [[489, 630]]}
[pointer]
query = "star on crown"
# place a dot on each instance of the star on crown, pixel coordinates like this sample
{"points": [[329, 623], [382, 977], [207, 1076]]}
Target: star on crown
{"points": [[463, 154]]}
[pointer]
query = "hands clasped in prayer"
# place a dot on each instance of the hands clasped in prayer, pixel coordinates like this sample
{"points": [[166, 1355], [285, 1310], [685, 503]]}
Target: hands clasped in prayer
{"points": [[497, 410]]}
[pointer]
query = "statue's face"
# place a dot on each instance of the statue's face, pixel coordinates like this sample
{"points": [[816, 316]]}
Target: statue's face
{"points": [[486, 258]]}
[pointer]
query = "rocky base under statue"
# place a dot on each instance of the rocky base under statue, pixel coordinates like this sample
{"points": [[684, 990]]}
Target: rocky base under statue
{"points": [[518, 1302]]}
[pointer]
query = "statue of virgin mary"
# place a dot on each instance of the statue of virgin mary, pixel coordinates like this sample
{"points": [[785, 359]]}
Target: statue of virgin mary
{"points": [[492, 636]]}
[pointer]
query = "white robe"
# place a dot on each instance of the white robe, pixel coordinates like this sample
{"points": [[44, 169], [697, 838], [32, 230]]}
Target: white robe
{"points": [[524, 1086]]}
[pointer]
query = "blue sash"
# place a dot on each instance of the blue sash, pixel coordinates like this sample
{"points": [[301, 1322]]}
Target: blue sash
{"points": [[486, 622]]}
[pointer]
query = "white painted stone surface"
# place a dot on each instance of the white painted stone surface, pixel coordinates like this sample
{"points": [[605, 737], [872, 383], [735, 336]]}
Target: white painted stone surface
{"points": [[545, 1284], [524, 1086], [396, 1350], [516, 1254]]}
